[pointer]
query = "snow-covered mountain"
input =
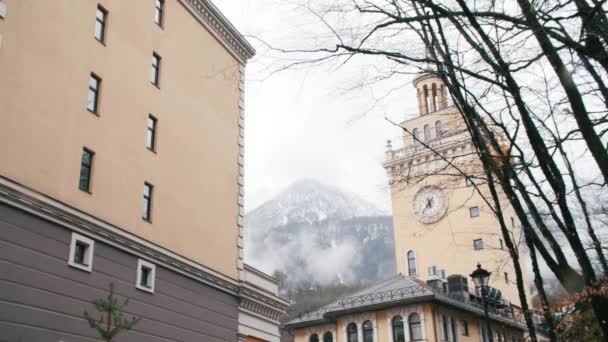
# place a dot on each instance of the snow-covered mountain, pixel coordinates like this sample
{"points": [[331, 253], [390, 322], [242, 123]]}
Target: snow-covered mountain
{"points": [[308, 201], [318, 233]]}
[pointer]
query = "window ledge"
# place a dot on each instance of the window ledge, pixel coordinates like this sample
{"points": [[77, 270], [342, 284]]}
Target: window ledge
{"points": [[145, 289], [86, 268], [92, 112]]}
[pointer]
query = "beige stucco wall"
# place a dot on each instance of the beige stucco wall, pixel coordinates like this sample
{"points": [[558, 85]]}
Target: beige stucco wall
{"points": [[448, 243], [47, 56], [382, 320]]}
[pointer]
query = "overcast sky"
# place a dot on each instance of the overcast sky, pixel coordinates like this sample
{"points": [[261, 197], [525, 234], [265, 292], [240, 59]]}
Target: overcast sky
{"points": [[303, 123]]}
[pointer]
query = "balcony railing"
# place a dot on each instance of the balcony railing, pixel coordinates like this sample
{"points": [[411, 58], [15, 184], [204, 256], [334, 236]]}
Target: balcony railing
{"points": [[440, 144]]}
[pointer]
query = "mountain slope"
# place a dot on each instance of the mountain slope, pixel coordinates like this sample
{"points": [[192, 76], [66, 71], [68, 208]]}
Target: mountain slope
{"points": [[310, 201], [318, 234]]}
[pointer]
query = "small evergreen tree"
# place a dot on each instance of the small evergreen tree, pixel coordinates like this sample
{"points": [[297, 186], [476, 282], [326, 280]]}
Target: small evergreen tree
{"points": [[111, 321]]}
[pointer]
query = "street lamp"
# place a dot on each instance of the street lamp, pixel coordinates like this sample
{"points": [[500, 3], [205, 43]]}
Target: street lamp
{"points": [[481, 278]]}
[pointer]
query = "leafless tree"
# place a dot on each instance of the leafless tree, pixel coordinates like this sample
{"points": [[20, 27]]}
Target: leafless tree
{"points": [[529, 79]]}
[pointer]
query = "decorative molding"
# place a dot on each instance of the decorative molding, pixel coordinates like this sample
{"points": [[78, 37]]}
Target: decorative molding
{"points": [[240, 196], [19, 196], [211, 17]]}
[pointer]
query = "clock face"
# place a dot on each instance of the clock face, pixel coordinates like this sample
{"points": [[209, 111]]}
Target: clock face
{"points": [[430, 204]]}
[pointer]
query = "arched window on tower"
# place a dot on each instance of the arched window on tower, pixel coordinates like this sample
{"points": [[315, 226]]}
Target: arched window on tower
{"points": [[416, 134], [438, 128], [351, 333], [415, 327], [411, 263], [398, 332], [435, 97], [313, 338], [328, 337], [427, 132], [427, 102], [368, 331]]}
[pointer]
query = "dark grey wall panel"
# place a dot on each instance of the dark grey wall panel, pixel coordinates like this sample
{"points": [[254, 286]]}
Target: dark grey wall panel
{"points": [[43, 299]]}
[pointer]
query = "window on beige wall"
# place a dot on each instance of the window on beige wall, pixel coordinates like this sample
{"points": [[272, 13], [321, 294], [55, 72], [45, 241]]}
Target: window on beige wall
{"points": [[147, 209], [100, 24], [427, 132], [474, 212], [93, 99], [155, 75], [411, 263], [415, 327], [159, 12], [368, 331], [313, 338], [465, 327], [351, 333], [86, 165], [328, 337], [454, 328], [478, 244], [398, 331], [151, 133]]}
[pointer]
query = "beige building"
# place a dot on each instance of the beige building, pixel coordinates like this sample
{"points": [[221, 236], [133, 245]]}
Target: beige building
{"points": [[122, 125], [404, 309], [443, 228], [443, 224]]}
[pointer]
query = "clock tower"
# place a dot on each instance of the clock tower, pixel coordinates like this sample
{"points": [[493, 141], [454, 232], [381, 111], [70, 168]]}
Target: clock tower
{"points": [[442, 224]]}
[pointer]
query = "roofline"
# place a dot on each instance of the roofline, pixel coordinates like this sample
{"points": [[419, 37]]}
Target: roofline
{"points": [[221, 28], [424, 75], [331, 316], [261, 274]]}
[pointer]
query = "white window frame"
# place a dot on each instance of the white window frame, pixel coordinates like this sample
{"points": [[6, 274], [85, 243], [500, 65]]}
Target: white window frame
{"points": [[143, 263], [88, 256]]}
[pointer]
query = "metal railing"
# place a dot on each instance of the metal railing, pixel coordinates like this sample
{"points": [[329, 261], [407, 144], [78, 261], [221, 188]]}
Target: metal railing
{"points": [[443, 143], [384, 296]]}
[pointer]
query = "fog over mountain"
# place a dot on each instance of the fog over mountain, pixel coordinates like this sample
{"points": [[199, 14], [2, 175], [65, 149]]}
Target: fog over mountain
{"points": [[318, 234]]}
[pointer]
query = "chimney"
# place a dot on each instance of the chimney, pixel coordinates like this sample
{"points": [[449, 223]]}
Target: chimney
{"points": [[458, 287]]}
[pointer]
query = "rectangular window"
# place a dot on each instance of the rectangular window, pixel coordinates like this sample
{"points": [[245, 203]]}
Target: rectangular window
{"points": [[159, 11], [146, 275], [506, 277], [100, 24], [501, 244], [470, 180], [454, 330], [147, 212], [93, 100], [81, 252], [474, 211], [465, 328], [86, 165], [155, 76], [478, 244], [151, 134], [446, 329]]}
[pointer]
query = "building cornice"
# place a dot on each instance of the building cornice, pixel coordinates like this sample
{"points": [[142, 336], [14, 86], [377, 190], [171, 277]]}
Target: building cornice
{"points": [[211, 17], [45, 207], [262, 303]]}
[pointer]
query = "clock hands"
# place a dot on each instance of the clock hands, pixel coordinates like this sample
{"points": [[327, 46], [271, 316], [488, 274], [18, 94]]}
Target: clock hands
{"points": [[429, 204]]}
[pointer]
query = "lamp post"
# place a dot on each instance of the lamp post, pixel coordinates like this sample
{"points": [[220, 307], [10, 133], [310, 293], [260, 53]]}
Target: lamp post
{"points": [[481, 278]]}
